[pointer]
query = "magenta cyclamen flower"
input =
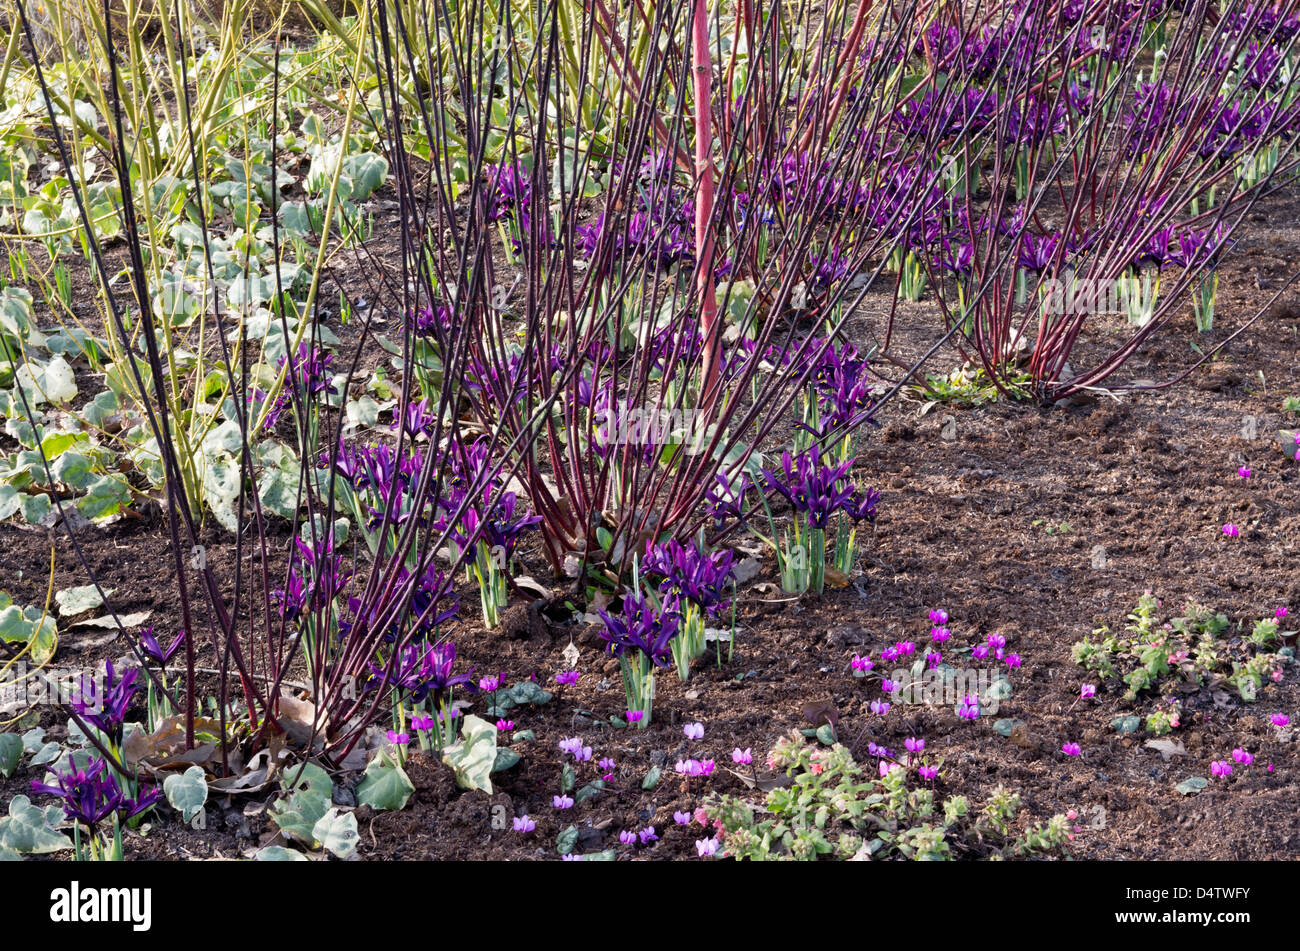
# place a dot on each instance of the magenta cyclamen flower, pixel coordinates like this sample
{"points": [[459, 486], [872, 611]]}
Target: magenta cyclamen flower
{"points": [[861, 664], [927, 772], [969, 709], [1071, 749], [489, 684], [647, 835], [398, 739], [1012, 660], [1231, 530], [1280, 613], [567, 678], [940, 634], [694, 731], [606, 764], [879, 708], [888, 685], [742, 757], [635, 716], [503, 725], [1087, 691], [1244, 472], [1242, 757], [938, 617], [1221, 768], [421, 722], [524, 825], [1280, 719], [914, 745]]}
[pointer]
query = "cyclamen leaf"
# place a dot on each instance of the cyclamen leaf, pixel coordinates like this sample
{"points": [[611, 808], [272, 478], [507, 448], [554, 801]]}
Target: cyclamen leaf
{"points": [[29, 830], [11, 749], [187, 792], [337, 832], [473, 757], [385, 786]]}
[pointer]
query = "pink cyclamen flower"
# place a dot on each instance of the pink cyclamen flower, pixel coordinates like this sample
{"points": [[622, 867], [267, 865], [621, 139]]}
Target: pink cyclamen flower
{"points": [[940, 634], [861, 664], [1012, 660], [1243, 757], [1071, 749], [1244, 472], [1280, 613], [1221, 768], [682, 818], [1087, 691], [562, 802], [573, 746], [524, 824], [742, 757], [970, 709], [489, 684], [706, 847], [938, 616], [694, 731], [627, 837], [1280, 719], [914, 745], [933, 659], [1277, 676], [888, 685], [905, 648], [885, 767], [927, 772], [567, 678], [398, 739], [980, 652], [422, 723], [606, 764], [647, 835], [635, 716], [1231, 530], [503, 725], [879, 708]]}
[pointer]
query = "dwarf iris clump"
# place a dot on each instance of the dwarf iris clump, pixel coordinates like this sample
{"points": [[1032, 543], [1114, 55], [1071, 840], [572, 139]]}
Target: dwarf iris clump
{"points": [[816, 491], [91, 794], [692, 587], [641, 637]]}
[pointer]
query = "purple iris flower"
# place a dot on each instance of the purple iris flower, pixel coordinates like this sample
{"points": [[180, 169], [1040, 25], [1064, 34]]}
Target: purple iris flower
{"points": [[92, 794], [689, 572], [819, 491], [105, 705], [150, 647], [640, 627]]}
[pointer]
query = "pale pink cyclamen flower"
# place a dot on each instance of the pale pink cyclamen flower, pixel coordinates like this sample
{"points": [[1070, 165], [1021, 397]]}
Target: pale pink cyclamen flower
{"points": [[706, 847], [1087, 691], [694, 731], [742, 757], [524, 824]]}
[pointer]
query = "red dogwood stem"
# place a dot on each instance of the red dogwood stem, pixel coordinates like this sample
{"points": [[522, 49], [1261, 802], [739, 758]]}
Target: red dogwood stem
{"points": [[709, 327]]}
